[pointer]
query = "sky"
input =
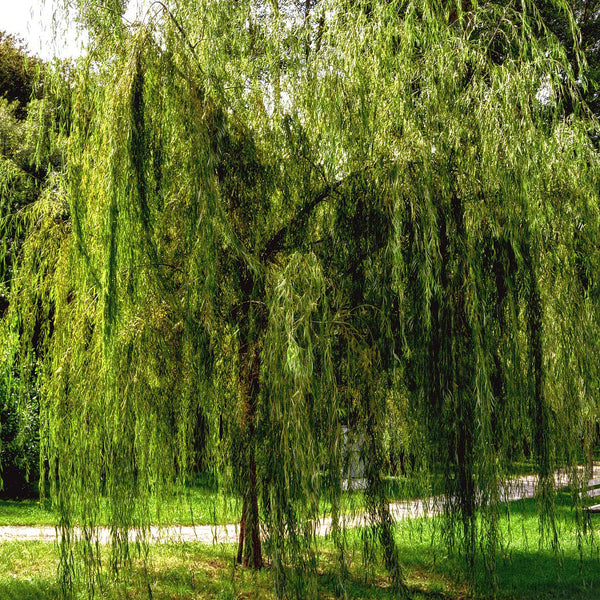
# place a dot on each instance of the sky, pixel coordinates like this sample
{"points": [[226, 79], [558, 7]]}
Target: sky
{"points": [[31, 20]]}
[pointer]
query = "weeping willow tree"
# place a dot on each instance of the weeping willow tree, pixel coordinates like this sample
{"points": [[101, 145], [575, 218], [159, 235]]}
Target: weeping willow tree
{"points": [[286, 219]]}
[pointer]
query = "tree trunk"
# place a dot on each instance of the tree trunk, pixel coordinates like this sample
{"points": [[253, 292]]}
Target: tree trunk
{"points": [[249, 545]]}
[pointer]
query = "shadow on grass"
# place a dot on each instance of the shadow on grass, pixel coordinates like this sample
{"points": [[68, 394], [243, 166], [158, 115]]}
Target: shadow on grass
{"points": [[545, 575], [380, 590], [528, 571], [20, 589]]}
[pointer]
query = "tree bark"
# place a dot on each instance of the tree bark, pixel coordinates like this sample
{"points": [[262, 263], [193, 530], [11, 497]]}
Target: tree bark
{"points": [[249, 545]]}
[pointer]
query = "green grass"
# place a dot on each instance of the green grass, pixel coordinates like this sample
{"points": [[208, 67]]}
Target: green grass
{"points": [[199, 505], [26, 512], [199, 572], [527, 571]]}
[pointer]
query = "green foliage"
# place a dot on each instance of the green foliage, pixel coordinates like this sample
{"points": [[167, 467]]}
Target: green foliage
{"points": [[585, 37], [19, 428], [282, 222], [18, 72], [28, 181]]}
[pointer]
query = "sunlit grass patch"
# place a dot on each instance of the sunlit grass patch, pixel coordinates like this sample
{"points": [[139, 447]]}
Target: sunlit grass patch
{"points": [[200, 571], [28, 570], [528, 569], [26, 512], [197, 504]]}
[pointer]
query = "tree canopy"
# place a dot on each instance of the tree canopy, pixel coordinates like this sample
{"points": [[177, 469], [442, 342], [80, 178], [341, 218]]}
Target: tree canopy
{"points": [[286, 218]]}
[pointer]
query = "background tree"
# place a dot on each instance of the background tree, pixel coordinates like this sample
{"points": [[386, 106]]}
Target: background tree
{"points": [[29, 162], [17, 72]]}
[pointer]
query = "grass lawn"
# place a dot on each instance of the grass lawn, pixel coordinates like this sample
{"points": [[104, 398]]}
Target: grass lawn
{"points": [[26, 512], [525, 570], [200, 505], [196, 571]]}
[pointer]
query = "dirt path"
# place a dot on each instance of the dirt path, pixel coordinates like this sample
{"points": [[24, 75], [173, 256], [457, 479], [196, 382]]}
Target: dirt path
{"points": [[522, 487]]}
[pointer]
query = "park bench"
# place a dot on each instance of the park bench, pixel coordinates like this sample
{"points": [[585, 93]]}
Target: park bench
{"points": [[592, 489]]}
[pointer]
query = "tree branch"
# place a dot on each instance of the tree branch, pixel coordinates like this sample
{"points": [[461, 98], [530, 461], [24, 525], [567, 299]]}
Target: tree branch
{"points": [[182, 32], [276, 242]]}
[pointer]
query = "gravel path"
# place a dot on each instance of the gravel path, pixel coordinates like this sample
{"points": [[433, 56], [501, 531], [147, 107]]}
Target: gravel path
{"points": [[522, 487]]}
